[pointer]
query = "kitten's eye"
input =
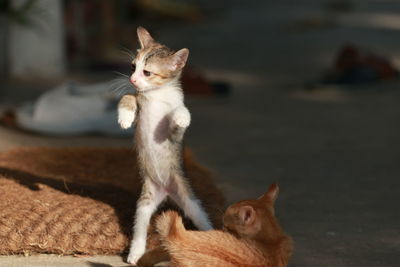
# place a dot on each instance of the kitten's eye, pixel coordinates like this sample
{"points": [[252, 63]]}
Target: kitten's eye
{"points": [[146, 73], [133, 67]]}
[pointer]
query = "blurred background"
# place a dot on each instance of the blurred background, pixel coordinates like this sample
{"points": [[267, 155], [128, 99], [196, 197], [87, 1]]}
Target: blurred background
{"points": [[304, 93]]}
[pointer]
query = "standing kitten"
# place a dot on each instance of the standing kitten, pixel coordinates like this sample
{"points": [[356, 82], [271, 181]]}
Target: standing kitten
{"points": [[252, 237], [161, 120]]}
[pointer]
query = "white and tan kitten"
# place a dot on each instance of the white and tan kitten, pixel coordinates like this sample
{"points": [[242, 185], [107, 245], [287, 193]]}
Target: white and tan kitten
{"points": [[161, 119]]}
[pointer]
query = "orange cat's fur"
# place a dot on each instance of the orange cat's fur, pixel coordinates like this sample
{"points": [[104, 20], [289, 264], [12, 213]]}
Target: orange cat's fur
{"points": [[252, 237]]}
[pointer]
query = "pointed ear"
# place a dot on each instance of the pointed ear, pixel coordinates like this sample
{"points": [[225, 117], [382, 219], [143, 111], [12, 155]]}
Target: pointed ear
{"points": [[144, 37], [247, 215], [271, 194], [178, 60]]}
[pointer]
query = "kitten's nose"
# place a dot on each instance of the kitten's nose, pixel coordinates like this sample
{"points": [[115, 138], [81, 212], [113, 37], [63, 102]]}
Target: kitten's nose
{"points": [[133, 80]]}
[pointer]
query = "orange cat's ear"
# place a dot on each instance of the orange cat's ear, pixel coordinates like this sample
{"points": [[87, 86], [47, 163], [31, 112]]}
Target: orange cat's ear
{"points": [[272, 193], [178, 60], [247, 215], [144, 37]]}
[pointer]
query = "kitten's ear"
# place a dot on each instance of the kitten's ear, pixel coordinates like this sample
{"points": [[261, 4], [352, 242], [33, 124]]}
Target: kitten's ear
{"points": [[144, 37], [247, 215], [178, 60], [272, 193]]}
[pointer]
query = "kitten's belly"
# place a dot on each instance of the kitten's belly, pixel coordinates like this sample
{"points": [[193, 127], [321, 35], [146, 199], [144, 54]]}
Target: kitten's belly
{"points": [[155, 152], [158, 162]]}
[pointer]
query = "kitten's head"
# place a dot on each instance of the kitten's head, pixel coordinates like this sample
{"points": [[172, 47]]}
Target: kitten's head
{"points": [[254, 218], [155, 65]]}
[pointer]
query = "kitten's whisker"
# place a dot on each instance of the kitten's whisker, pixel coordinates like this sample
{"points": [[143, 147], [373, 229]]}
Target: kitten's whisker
{"points": [[119, 73], [126, 49], [121, 83], [128, 52], [121, 91], [131, 57], [117, 82], [120, 86], [125, 81]]}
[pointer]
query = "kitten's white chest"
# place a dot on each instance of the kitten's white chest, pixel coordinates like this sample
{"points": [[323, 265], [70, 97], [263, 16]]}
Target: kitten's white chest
{"points": [[153, 122], [155, 113]]}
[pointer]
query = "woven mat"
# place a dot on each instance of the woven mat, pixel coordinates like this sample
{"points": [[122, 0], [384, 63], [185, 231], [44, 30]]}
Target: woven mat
{"points": [[79, 200]]}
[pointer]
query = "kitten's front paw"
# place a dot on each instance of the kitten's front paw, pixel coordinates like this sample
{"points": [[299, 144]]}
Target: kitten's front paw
{"points": [[182, 117], [134, 255], [126, 111], [125, 117]]}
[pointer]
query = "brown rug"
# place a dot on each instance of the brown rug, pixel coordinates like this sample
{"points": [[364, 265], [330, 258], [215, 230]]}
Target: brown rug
{"points": [[79, 200]]}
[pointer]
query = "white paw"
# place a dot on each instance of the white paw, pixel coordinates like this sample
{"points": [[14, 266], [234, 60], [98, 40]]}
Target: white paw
{"points": [[182, 118], [125, 117], [135, 252]]}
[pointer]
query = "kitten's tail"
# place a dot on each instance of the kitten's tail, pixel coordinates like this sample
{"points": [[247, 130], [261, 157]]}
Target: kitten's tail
{"points": [[170, 224]]}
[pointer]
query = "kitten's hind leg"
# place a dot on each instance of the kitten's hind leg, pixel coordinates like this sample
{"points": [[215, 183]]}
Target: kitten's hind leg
{"points": [[152, 195], [191, 205]]}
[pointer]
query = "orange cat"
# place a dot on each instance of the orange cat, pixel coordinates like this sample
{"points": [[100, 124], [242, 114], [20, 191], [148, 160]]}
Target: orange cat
{"points": [[252, 237]]}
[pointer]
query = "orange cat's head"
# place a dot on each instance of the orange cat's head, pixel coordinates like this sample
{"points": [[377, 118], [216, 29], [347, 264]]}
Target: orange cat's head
{"points": [[254, 219], [155, 65]]}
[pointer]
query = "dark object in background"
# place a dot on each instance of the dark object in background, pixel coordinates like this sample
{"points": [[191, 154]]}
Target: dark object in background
{"points": [[354, 65], [194, 83], [339, 6]]}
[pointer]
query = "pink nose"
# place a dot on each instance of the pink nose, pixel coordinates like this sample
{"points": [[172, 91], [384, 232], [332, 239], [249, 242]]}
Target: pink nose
{"points": [[133, 79]]}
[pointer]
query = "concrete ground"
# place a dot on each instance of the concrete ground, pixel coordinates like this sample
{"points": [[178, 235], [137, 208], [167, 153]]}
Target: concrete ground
{"points": [[334, 152]]}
